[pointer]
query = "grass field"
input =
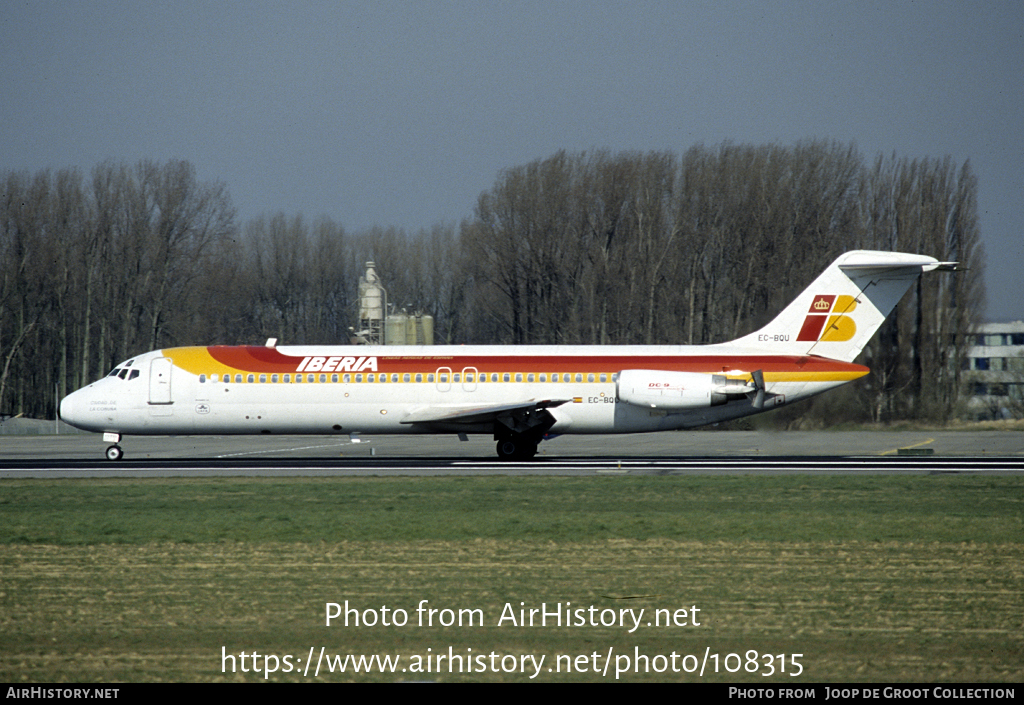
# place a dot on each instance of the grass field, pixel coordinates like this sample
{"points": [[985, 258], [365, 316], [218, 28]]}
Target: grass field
{"points": [[870, 578]]}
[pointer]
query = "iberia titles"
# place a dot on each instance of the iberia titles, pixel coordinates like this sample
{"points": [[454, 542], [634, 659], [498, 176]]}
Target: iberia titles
{"points": [[337, 364]]}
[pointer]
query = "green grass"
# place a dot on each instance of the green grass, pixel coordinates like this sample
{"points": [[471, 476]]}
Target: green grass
{"points": [[791, 508], [872, 578]]}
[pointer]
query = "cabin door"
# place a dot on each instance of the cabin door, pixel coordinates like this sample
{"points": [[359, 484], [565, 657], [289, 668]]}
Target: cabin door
{"points": [[160, 381]]}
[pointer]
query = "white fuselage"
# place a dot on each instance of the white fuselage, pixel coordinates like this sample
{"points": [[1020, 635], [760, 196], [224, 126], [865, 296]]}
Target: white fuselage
{"points": [[354, 389]]}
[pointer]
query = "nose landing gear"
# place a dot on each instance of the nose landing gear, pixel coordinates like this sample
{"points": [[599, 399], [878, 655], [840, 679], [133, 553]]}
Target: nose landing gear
{"points": [[114, 452]]}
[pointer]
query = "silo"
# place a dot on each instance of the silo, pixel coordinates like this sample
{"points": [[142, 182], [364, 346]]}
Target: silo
{"points": [[394, 329], [372, 302], [426, 330]]}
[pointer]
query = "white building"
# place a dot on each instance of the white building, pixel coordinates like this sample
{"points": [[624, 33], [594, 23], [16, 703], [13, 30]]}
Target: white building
{"points": [[995, 362]]}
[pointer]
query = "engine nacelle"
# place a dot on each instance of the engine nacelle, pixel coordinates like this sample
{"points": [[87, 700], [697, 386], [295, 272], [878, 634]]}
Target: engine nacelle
{"points": [[677, 391]]}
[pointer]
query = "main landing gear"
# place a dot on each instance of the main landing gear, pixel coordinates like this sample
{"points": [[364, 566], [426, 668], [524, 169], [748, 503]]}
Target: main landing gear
{"points": [[520, 431], [516, 449]]}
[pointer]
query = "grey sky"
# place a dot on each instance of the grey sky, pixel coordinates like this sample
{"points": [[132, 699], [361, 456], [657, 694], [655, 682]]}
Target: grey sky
{"points": [[381, 113]]}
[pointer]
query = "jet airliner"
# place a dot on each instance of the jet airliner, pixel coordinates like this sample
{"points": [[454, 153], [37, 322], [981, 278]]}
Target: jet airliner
{"points": [[517, 394]]}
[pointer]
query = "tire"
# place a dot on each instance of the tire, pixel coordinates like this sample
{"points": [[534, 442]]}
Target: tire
{"points": [[516, 449], [507, 449]]}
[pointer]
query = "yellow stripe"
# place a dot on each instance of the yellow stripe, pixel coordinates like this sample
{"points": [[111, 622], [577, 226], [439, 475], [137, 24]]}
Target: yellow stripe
{"points": [[197, 360], [823, 376]]}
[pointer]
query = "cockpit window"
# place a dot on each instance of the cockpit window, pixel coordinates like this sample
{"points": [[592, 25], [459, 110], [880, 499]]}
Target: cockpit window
{"points": [[123, 373]]}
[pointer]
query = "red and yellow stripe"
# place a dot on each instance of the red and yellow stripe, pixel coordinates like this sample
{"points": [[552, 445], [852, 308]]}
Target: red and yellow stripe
{"points": [[222, 360]]}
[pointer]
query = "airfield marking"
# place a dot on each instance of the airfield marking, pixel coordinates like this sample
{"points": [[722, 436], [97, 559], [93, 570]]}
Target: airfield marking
{"points": [[282, 450], [896, 450]]}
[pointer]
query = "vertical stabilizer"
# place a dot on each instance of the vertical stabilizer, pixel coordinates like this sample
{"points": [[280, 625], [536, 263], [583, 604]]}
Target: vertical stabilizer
{"points": [[838, 313]]}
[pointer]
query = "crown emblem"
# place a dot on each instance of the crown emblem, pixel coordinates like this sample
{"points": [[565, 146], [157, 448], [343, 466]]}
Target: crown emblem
{"points": [[822, 305]]}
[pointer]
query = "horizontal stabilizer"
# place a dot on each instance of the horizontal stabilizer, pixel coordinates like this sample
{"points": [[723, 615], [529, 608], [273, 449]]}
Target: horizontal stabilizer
{"points": [[865, 260]]}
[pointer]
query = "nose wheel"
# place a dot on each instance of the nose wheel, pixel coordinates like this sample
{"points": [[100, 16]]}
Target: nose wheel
{"points": [[114, 453]]}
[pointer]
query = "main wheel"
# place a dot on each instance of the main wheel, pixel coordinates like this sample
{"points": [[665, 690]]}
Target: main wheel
{"points": [[516, 449], [114, 453], [506, 450]]}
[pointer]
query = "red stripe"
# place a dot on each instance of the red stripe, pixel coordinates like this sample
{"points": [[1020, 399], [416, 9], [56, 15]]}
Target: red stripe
{"points": [[253, 358], [263, 359]]}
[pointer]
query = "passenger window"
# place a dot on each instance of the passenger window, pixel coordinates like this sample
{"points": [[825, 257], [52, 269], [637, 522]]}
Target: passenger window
{"points": [[529, 378], [406, 377], [251, 379], [263, 379], [202, 378], [579, 377], [505, 377], [323, 378], [273, 378], [238, 379], [604, 377], [419, 377], [590, 377], [371, 378], [334, 378]]}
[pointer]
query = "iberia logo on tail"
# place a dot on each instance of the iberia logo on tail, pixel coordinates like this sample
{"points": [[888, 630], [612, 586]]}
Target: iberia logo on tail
{"points": [[826, 319]]}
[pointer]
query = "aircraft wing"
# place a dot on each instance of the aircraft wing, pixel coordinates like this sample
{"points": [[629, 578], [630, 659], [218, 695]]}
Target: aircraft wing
{"points": [[478, 414]]}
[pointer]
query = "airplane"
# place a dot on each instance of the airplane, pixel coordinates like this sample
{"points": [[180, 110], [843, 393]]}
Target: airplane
{"points": [[517, 394]]}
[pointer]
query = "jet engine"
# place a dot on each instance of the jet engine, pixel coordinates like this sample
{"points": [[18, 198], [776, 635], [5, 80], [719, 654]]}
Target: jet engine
{"points": [[678, 391]]}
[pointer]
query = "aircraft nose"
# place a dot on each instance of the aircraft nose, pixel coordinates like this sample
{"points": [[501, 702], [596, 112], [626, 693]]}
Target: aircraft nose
{"points": [[70, 410], [64, 409]]}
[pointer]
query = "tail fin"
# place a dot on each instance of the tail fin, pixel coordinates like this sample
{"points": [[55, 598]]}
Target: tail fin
{"points": [[836, 315]]}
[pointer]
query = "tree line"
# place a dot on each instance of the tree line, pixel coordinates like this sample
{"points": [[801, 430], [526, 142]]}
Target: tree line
{"points": [[577, 248]]}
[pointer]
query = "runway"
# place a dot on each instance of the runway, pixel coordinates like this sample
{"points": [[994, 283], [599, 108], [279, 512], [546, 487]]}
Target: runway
{"points": [[681, 453]]}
